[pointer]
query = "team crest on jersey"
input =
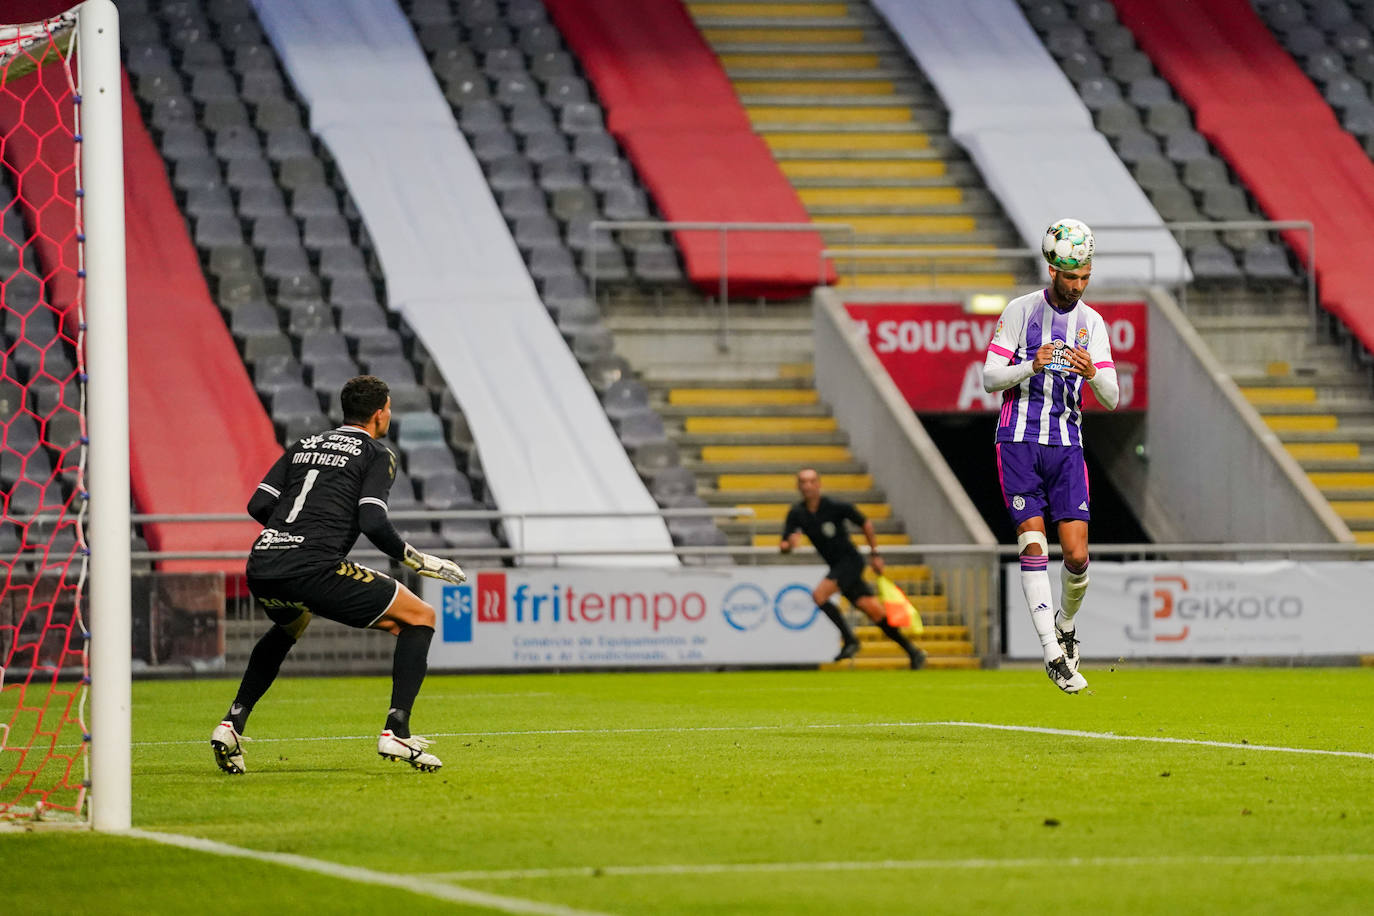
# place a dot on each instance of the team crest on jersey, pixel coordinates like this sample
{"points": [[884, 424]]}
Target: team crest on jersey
{"points": [[1082, 337], [1018, 503], [828, 529]]}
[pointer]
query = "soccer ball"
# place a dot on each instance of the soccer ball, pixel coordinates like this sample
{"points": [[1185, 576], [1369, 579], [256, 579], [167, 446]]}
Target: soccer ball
{"points": [[1068, 244]]}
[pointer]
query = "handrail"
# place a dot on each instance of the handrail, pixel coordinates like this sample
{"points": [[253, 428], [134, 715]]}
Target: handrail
{"points": [[1267, 225], [934, 255], [724, 228], [440, 514], [1001, 551]]}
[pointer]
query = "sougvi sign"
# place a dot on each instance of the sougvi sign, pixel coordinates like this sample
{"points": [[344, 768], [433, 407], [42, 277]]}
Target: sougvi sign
{"points": [[578, 618], [1203, 610]]}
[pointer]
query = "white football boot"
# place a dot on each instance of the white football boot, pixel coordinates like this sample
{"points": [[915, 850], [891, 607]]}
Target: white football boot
{"points": [[228, 748], [1066, 680], [411, 750]]}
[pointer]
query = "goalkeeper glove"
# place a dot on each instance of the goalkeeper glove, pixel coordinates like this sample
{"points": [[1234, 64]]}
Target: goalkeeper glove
{"points": [[434, 567]]}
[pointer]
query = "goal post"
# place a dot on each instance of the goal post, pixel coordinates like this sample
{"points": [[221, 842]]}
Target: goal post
{"points": [[107, 407], [65, 627]]}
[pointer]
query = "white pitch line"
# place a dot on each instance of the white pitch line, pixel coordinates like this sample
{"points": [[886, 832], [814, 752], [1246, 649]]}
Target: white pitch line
{"points": [[894, 865], [416, 884], [686, 729], [1112, 736]]}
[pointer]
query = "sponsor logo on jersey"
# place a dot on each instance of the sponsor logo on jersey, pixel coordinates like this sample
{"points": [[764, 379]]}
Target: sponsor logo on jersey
{"points": [[272, 539], [828, 529]]}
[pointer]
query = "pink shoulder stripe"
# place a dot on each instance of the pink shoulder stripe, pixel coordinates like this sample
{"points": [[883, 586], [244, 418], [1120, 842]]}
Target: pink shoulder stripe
{"points": [[999, 350], [1105, 364]]}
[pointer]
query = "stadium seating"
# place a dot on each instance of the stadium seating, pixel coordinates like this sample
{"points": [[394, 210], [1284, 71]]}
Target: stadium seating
{"points": [[1153, 133], [281, 242], [451, 263], [1032, 137], [1270, 122], [549, 203], [1332, 41], [669, 104]]}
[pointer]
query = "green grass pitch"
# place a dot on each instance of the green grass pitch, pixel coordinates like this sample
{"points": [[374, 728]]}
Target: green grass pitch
{"points": [[750, 792]]}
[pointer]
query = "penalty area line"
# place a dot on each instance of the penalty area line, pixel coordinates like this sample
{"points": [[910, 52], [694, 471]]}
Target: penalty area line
{"points": [[896, 865], [415, 884]]}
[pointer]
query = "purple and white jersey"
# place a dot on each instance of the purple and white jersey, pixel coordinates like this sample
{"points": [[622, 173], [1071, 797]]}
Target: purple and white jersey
{"points": [[1047, 407]]}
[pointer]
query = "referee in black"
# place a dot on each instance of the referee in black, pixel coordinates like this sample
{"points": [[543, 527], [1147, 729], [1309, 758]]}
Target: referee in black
{"points": [[313, 503], [822, 520]]}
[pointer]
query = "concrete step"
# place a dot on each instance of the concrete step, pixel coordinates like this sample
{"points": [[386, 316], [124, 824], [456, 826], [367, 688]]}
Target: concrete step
{"points": [[757, 425], [755, 413], [786, 455], [1314, 466], [751, 438], [665, 386], [856, 18], [884, 540], [780, 494], [865, 100], [889, 71], [816, 87], [736, 36], [873, 46], [1361, 435], [715, 469]]}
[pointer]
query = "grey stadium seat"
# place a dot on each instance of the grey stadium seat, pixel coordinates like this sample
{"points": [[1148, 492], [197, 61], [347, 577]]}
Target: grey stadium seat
{"points": [[640, 428], [625, 397]]}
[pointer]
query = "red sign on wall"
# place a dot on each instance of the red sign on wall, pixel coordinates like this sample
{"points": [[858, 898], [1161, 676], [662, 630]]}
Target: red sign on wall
{"points": [[935, 351]]}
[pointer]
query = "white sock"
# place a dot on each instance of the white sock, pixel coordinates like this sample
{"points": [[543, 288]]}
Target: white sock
{"points": [[1073, 586], [1035, 582]]}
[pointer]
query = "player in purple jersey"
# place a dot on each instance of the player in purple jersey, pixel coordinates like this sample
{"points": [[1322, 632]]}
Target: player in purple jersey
{"points": [[1046, 345]]}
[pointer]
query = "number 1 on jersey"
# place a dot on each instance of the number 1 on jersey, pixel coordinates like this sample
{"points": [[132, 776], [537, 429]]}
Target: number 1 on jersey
{"points": [[309, 482]]}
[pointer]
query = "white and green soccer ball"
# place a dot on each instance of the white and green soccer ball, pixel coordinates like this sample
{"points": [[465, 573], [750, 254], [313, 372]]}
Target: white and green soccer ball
{"points": [[1068, 244]]}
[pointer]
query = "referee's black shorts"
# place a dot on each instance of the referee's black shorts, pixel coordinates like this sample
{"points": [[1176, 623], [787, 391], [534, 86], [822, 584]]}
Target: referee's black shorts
{"points": [[346, 592], [849, 573]]}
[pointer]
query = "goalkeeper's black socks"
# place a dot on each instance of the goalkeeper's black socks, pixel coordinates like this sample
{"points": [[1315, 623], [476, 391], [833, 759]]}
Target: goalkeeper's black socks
{"points": [[408, 667], [262, 669], [835, 617]]}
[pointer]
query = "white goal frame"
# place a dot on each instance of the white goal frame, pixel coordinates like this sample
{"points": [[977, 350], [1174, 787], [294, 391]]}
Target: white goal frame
{"points": [[100, 127]]}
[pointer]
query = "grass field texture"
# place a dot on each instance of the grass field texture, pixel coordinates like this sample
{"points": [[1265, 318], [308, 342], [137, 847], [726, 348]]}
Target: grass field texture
{"points": [[750, 792]]}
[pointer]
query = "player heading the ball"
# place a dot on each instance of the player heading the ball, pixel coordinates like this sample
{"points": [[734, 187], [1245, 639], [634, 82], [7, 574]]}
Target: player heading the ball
{"points": [[1046, 345]]}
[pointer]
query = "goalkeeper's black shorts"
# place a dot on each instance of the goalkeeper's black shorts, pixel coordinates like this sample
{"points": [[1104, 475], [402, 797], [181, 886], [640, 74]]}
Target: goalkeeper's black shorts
{"points": [[346, 592]]}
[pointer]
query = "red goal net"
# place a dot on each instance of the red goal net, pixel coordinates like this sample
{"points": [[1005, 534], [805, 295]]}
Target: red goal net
{"points": [[43, 660]]}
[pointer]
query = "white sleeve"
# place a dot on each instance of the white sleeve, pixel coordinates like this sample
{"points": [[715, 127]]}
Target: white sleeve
{"points": [[1103, 384], [998, 373]]}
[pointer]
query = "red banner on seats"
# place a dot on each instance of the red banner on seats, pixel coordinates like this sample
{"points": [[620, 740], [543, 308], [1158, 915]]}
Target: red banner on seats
{"points": [[935, 352]]}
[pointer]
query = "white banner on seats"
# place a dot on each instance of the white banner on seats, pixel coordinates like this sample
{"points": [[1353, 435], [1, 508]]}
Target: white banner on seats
{"points": [[453, 270], [1211, 610], [1022, 122]]}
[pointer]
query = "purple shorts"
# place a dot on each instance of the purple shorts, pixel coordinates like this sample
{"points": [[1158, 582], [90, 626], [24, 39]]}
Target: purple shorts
{"points": [[1035, 476]]}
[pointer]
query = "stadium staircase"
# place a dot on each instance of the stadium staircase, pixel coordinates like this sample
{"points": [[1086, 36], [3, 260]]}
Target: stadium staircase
{"points": [[862, 137], [1309, 390], [745, 420]]}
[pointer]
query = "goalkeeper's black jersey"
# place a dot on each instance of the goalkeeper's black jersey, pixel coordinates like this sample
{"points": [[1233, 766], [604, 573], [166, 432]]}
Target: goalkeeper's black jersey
{"points": [[320, 485]]}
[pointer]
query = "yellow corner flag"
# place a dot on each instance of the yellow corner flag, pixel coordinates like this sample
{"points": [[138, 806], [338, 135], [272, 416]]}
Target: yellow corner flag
{"points": [[900, 611]]}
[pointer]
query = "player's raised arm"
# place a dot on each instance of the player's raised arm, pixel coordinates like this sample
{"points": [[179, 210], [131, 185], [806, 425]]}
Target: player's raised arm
{"points": [[268, 493]]}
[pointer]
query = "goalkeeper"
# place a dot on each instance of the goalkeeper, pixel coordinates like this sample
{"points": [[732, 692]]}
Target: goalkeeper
{"points": [[313, 503]]}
